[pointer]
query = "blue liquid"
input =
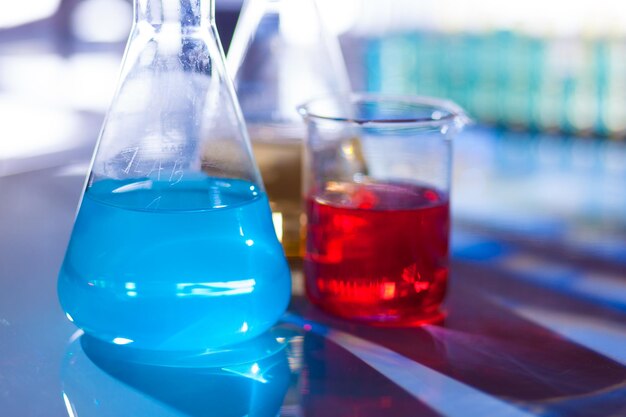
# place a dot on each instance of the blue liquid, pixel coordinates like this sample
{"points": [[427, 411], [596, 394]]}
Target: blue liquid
{"points": [[184, 267]]}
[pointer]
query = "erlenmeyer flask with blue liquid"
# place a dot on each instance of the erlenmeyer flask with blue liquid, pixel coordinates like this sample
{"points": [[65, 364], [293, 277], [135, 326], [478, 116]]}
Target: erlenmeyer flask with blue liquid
{"points": [[173, 247]]}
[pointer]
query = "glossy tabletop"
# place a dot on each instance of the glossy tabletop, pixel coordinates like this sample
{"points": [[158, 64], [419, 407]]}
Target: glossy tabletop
{"points": [[536, 313]]}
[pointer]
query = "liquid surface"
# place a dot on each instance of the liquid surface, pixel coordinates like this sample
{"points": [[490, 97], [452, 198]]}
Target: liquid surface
{"points": [[378, 252], [175, 268]]}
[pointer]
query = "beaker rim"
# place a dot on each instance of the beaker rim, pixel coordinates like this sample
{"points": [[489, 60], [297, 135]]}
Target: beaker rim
{"points": [[418, 111]]}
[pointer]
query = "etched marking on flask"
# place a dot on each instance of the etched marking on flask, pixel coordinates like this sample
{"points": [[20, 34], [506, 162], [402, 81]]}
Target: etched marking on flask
{"points": [[177, 172], [128, 159], [154, 204], [158, 170]]}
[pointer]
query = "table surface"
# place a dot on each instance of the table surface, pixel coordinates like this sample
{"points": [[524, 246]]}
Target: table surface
{"points": [[536, 325]]}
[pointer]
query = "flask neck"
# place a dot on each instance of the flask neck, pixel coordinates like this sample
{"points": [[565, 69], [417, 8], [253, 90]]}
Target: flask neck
{"points": [[183, 12]]}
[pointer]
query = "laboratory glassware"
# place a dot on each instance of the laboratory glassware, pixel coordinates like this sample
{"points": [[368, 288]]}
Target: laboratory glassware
{"points": [[173, 247], [378, 192], [281, 56]]}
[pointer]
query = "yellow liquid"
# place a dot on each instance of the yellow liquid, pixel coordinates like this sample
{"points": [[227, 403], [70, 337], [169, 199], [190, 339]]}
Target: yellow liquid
{"points": [[280, 163]]}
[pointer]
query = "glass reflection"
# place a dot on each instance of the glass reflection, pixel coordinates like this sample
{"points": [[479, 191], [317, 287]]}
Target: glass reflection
{"points": [[103, 380]]}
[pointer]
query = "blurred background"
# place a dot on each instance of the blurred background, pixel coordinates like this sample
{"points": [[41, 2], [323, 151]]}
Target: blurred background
{"points": [[545, 82]]}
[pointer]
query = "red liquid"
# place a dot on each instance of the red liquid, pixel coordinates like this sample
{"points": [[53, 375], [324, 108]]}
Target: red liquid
{"points": [[378, 252]]}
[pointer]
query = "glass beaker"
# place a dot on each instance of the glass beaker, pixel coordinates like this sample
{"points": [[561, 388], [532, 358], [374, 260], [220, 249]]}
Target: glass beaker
{"points": [[377, 205], [173, 247], [280, 57]]}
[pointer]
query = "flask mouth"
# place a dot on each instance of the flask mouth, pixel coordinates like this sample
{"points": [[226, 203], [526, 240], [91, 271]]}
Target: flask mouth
{"points": [[385, 110]]}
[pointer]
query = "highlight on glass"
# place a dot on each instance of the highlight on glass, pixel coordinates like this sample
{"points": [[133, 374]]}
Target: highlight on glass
{"points": [[377, 175]]}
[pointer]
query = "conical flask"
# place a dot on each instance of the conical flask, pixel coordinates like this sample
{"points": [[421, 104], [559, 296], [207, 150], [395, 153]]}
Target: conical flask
{"points": [[281, 57], [173, 247]]}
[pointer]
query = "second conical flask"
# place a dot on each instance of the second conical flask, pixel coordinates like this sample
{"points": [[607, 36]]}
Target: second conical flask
{"points": [[280, 57], [173, 247]]}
